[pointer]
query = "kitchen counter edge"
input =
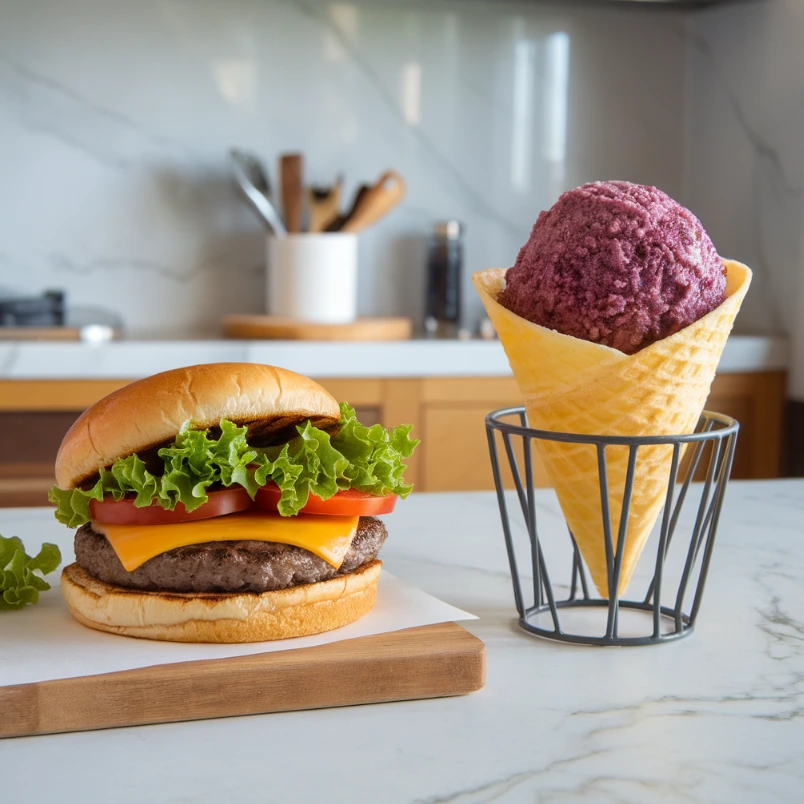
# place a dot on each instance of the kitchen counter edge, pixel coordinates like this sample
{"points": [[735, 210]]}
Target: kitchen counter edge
{"points": [[416, 358]]}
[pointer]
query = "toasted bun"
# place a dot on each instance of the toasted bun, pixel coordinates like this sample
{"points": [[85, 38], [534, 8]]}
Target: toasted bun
{"points": [[148, 413], [205, 617]]}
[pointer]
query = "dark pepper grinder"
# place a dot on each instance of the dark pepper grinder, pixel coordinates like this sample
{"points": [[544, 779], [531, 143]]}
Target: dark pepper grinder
{"points": [[444, 267]]}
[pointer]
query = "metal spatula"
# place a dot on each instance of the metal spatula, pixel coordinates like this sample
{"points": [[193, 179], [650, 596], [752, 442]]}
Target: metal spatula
{"points": [[253, 181]]}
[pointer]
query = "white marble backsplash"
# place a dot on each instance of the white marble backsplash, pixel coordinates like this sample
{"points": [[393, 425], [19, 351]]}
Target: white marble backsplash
{"points": [[115, 121], [743, 157]]}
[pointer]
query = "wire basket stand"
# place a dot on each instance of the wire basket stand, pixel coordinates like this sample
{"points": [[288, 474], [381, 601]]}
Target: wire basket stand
{"points": [[541, 611]]}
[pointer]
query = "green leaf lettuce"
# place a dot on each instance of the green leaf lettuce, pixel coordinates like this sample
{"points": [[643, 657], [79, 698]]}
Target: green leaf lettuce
{"points": [[19, 583], [365, 458]]}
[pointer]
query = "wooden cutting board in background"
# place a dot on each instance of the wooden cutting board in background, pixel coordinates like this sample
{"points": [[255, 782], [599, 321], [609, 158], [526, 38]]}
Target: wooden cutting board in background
{"points": [[266, 327], [40, 333], [429, 662]]}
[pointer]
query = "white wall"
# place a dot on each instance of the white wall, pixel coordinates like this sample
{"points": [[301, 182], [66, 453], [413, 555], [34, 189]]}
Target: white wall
{"points": [[115, 119]]}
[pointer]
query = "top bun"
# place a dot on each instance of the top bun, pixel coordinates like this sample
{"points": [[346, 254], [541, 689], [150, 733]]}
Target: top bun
{"points": [[147, 414]]}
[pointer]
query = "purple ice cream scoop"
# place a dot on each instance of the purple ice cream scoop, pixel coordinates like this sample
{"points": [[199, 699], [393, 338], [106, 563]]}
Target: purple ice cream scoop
{"points": [[616, 263]]}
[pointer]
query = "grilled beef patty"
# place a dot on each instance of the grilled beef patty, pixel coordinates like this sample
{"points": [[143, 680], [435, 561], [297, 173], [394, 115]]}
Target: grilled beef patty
{"points": [[244, 566]]}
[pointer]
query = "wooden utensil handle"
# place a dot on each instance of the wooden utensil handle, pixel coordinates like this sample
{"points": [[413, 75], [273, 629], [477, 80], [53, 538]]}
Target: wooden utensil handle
{"points": [[376, 202], [337, 223], [324, 205], [292, 187]]}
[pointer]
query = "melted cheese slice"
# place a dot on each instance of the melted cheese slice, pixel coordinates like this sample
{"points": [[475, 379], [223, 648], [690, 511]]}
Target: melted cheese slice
{"points": [[328, 537]]}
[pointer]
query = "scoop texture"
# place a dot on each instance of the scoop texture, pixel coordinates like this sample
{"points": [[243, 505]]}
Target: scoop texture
{"points": [[615, 263]]}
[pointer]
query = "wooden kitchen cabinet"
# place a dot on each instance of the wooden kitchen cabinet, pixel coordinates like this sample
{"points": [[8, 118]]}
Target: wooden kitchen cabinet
{"points": [[455, 450], [446, 413], [455, 443]]}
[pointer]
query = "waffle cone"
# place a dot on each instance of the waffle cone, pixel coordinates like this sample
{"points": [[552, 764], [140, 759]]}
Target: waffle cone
{"points": [[575, 386]]}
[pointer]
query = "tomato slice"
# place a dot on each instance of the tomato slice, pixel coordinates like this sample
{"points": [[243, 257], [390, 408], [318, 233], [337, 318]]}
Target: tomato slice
{"points": [[124, 512], [345, 503]]}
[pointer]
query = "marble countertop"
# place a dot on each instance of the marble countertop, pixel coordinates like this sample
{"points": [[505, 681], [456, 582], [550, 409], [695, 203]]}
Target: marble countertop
{"points": [[716, 717], [416, 358]]}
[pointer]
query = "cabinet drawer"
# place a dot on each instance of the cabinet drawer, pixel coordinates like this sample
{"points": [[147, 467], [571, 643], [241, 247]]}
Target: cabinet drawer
{"points": [[456, 452]]}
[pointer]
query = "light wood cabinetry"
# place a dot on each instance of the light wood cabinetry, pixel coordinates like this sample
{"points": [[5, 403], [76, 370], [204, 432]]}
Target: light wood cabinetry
{"points": [[446, 413], [455, 446], [757, 402]]}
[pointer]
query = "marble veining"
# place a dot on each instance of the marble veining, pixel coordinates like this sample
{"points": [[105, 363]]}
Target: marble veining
{"points": [[116, 184], [716, 717], [116, 121], [774, 191], [462, 187], [50, 103]]}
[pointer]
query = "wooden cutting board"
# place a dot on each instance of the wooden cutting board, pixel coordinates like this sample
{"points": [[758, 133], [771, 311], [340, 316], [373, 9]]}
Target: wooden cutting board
{"points": [[97, 334], [40, 333], [267, 327], [430, 662]]}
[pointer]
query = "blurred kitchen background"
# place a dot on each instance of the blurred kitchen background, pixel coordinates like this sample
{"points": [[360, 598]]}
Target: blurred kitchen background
{"points": [[116, 121]]}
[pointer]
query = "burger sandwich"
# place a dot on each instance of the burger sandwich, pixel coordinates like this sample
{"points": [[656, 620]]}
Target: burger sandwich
{"points": [[227, 502]]}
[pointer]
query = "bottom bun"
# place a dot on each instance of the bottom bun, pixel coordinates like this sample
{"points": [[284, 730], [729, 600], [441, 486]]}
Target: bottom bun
{"points": [[208, 617]]}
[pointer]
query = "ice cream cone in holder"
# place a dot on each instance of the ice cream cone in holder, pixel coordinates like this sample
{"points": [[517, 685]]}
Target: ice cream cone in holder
{"points": [[575, 386]]}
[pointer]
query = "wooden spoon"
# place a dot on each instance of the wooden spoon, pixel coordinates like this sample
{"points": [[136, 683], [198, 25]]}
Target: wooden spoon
{"points": [[324, 204], [336, 224], [291, 169], [376, 202]]}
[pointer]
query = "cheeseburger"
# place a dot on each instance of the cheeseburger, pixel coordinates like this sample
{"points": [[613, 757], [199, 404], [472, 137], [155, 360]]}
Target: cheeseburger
{"points": [[227, 502]]}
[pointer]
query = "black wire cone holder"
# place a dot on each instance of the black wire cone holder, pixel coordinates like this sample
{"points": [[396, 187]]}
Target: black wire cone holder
{"points": [[546, 615]]}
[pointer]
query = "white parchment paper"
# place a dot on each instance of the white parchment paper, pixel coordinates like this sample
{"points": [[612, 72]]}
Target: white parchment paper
{"points": [[43, 642]]}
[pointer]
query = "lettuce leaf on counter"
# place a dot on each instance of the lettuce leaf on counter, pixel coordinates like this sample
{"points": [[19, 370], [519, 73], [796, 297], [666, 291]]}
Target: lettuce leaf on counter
{"points": [[19, 583], [365, 458]]}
